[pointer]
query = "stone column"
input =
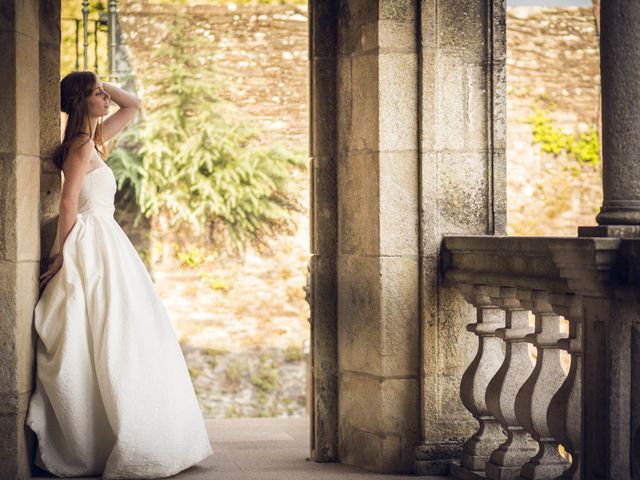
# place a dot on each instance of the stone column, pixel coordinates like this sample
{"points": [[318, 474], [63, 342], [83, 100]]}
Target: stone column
{"points": [[462, 138], [620, 70], [323, 48], [378, 275], [29, 52]]}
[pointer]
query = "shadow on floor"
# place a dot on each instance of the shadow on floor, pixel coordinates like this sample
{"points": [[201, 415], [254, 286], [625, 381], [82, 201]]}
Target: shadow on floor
{"points": [[268, 449]]}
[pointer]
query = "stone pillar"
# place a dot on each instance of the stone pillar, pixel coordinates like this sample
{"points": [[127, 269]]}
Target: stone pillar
{"points": [[378, 264], [620, 69], [462, 142], [29, 51], [50, 124], [323, 43]]}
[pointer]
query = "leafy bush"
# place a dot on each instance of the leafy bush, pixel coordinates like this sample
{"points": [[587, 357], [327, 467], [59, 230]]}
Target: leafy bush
{"points": [[195, 158]]}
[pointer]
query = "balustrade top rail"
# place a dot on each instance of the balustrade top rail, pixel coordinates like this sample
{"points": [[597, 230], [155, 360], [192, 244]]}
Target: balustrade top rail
{"points": [[558, 265]]}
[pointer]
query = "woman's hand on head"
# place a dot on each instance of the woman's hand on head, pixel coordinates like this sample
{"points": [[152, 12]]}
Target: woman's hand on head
{"points": [[55, 263]]}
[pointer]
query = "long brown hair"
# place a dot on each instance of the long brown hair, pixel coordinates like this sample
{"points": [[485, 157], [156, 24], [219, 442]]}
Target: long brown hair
{"points": [[75, 88]]}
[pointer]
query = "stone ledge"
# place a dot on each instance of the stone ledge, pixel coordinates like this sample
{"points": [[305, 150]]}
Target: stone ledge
{"points": [[581, 266]]}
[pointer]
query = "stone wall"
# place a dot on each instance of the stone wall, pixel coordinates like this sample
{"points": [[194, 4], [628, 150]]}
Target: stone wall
{"points": [[263, 47], [552, 61]]}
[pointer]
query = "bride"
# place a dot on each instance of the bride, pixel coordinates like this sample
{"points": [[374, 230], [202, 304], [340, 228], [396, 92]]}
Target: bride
{"points": [[113, 396]]}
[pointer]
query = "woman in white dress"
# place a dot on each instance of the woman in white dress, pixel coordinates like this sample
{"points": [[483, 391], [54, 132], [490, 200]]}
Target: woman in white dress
{"points": [[113, 396]]}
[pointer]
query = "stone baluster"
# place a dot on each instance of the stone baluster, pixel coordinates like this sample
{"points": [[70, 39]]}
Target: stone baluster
{"points": [[506, 461], [565, 411], [474, 382], [534, 398]]}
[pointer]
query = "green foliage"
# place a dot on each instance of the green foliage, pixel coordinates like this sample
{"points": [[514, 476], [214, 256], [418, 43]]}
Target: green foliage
{"points": [[293, 353], [227, 2], [233, 376], [219, 284], [72, 9], [196, 158], [583, 147], [266, 378]]}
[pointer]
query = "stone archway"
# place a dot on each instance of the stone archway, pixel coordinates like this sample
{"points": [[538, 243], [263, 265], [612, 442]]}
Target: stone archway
{"points": [[408, 145], [407, 140]]}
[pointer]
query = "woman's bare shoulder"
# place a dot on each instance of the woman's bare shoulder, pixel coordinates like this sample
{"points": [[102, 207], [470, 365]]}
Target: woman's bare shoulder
{"points": [[80, 153]]}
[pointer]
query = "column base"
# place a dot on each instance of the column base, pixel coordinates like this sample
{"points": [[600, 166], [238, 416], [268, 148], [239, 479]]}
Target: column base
{"points": [[434, 458], [612, 231], [506, 461], [548, 463]]}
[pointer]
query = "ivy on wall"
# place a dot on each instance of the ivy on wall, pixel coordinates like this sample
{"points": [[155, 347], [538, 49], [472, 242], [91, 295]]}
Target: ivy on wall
{"points": [[583, 147]]}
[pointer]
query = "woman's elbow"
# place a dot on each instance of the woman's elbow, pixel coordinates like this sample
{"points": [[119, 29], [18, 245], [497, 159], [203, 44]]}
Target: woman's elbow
{"points": [[68, 206]]}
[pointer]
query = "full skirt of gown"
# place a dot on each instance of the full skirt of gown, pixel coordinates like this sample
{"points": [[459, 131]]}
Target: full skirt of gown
{"points": [[113, 395]]}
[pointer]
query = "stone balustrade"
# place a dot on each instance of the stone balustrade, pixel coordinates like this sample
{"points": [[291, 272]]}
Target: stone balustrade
{"points": [[535, 420]]}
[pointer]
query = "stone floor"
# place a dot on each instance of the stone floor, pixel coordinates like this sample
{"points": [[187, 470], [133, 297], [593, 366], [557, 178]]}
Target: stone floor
{"points": [[268, 449]]}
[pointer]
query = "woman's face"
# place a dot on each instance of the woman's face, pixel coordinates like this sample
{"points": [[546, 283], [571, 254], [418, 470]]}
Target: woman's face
{"points": [[99, 101]]}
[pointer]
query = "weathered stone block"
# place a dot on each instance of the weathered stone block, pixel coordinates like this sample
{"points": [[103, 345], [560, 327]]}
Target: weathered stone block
{"points": [[377, 305], [398, 174], [429, 205], [358, 230], [25, 335], [448, 350], [499, 193], [324, 235], [428, 101], [364, 119], [49, 31], [428, 23], [22, 19], [462, 28], [19, 291], [8, 124], [48, 229], [398, 101], [401, 10], [378, 452], [344, 105], [8, 237], [462, 193], [8, 314], [324, 107], [14, 447], [49, 103], [392, 403], [396, 35], [27, 98], [359, 332], [50, 190], [8, 16], [369, 38], [28, 208], [476, 120], [499, 103], [400, 317], [354, 15], [450, 98], [324, 319], [323, 19]]}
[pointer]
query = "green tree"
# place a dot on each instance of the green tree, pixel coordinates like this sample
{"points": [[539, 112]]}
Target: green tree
{"points": [[195, 158]]}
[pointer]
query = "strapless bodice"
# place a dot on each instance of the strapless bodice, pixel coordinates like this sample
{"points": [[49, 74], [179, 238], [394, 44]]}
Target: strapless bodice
{"points": [[97, 192]]}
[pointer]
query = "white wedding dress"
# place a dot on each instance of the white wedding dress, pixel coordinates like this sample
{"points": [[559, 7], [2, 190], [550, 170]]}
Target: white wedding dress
{"points": [[113, 396]]}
